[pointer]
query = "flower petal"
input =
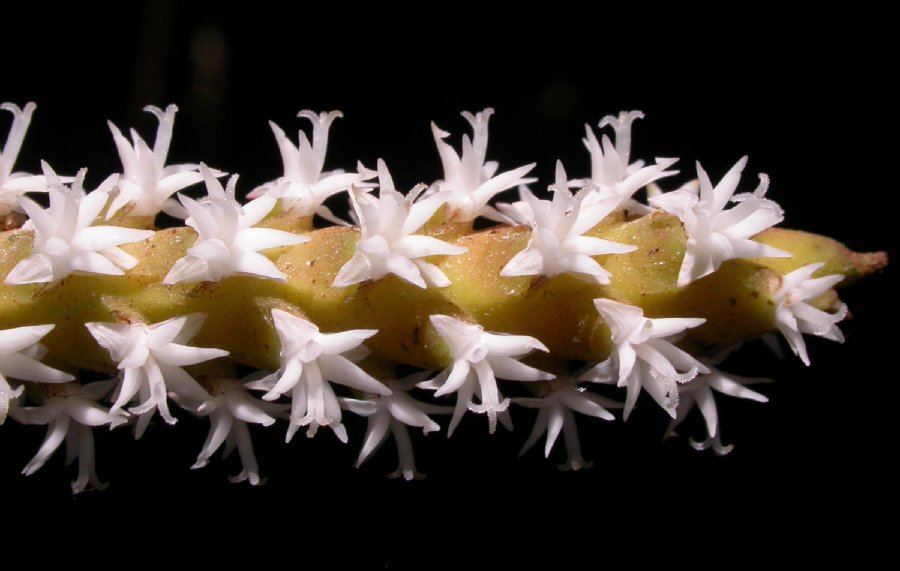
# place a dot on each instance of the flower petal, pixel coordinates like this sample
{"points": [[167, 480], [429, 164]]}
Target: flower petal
{"points": [[33, 269], [25, 368], [339, 370], [418, 246]]}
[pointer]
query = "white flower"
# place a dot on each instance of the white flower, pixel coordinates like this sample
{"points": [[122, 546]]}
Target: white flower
{"points": [[230, 408], [150, 360], [65, 242], [146, 183], [310, 361], [304, 187], [556, 414], [794, 316], [715, 234], [395, 412], [644, 356], [14, 184], [69, 413], [615, 178], [19, 358], [469, 180], [387, 243], [699, 393], [478, 358], [227, 244], [558, 244]]}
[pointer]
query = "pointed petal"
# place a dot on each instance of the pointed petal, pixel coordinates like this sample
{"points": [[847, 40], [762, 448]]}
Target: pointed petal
{"points": [[357, 269], [97, 238], [432, 275], [220, 426], [405, 269], [554, 427], [586, 403], [727, 386], [463, 398], [20, 338], [179, 382], [244, 407], [540, 426], [376, 432], [56, 432], [501, 182], [667, 326], [511, 345], [89, 208], [259, 239], [359, 407], [723, 191], [87, 412], [181, 355], [405, 409], [632, 391], [456, 378], [339, 370], [528, 262], [707, 405], [596, 246], [337, 343], [511, 369], [422, 211], [33, 269], [254, 264], [25, 368], [419, 246]]}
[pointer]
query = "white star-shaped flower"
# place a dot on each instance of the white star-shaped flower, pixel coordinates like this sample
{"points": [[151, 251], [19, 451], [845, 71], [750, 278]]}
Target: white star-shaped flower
{"points": [[310, 362], [146, 183], [230, 407], [70, 411], [469, 180], [66, 242], [699, 393], [794, 316], [556, 414], [14, 184], [644, 356], [558, 244], [150, 360], [715, 234], [614, 177], [227, 243], [20, 352], [304, 187], [395, 412], [478, 358], [387, 243]]}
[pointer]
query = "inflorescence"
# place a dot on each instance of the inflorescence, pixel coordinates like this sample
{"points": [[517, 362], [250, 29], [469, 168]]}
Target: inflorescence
{"points": [[317, 372]]}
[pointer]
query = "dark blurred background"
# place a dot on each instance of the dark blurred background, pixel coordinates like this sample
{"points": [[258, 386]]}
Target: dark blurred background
{"points": [[807, 104]]}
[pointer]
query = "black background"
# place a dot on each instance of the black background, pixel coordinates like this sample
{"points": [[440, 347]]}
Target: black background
{"points": [[808, 104]]}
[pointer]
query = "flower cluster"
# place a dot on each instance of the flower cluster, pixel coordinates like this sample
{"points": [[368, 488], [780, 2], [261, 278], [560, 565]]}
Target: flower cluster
{"points": [[304, 186], [227, 242], [469, 180], [558, 243], [66, 240], [316, 364], [715, 234], [387, 243], [146, 184]]}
